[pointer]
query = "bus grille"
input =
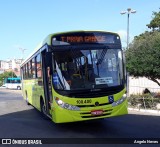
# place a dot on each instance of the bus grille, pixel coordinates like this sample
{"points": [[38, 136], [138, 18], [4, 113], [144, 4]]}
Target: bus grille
{"points": [[91, 116]]}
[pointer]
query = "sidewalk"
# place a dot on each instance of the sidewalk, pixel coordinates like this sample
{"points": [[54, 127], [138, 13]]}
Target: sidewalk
{"points": [[143, 111]]}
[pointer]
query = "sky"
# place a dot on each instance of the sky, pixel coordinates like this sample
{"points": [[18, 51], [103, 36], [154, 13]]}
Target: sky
{"points": [[25, 23]]}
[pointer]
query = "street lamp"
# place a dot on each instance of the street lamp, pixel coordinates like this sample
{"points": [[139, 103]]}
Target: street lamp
{"points": [[129, 11]]}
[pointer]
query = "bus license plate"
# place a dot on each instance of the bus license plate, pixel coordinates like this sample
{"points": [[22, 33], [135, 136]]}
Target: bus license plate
{"points": [[97, 112]]}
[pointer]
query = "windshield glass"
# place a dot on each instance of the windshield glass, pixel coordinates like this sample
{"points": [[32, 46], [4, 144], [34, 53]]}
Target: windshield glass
{"points": [[87, 69]]}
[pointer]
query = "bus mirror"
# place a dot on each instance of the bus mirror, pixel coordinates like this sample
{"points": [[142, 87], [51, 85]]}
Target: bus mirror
{"points": [[48, 59]]}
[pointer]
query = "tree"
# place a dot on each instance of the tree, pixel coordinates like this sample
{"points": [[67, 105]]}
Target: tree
{"points": [[155, 22], [143, 56], [6, 75]]}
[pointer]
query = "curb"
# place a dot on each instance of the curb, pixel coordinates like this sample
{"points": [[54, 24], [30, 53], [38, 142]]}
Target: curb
{"points": [[157, 112]]}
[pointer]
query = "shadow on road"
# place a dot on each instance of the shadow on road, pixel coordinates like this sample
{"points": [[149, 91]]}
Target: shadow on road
{"points": [[30, 123]]}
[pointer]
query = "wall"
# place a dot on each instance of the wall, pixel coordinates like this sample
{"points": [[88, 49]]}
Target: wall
{"points": [[137, 85]]}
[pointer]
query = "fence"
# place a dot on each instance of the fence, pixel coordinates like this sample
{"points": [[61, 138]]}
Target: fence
{"points": [[145, 101]]}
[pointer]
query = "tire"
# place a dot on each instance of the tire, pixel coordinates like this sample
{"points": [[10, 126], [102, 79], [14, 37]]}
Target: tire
{"points": [[27, 99], [43, 109], [18, 88]]}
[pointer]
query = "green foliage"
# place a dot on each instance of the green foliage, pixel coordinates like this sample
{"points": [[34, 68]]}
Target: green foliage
{"points": [[155, 22], [143, 56], [6, 75]]}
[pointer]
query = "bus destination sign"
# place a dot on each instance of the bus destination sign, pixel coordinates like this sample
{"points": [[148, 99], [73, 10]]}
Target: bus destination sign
{"points": [[77, 38], [85, 39]]}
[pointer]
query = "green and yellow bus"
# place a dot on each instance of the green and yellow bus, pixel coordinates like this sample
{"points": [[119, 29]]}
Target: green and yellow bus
{"points": [[76, 76]]}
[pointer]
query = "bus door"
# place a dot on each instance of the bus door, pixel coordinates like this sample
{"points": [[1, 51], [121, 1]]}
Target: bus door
{"points": [[46, 68]]}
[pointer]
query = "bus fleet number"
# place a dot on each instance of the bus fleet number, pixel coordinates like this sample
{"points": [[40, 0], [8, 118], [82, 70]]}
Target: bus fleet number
{"points": [[84, 101]]}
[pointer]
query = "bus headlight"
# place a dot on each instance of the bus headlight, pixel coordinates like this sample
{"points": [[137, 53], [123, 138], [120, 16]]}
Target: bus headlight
{"points": [[66, 105], [120, 101]]}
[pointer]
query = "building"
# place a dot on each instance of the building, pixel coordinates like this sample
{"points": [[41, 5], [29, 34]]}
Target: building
{"points": [[11, 65], [4, 65]]}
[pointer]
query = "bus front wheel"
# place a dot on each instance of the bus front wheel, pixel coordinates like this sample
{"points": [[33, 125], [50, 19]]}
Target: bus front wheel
{"points": [[27, 99], [43, 109]]}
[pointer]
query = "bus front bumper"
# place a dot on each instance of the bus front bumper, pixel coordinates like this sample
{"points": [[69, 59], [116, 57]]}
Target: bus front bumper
{"points": [[61, 115]]}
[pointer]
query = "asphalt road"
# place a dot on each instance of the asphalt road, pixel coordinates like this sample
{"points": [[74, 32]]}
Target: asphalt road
{"points": [[18, 120]]}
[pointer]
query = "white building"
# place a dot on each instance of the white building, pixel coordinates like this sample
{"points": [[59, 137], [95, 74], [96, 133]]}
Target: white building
{"points": [[11, 65], [4, 65]]}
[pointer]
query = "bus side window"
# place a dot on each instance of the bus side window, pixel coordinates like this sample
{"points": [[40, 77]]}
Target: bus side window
{"points": [[27, 71], [30, 69], [39, 68], [24, 71], [33, 68], [36, 67]]}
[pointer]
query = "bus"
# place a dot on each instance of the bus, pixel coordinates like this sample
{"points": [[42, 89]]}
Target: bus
{"points": [[13, 83], [76, 76]]}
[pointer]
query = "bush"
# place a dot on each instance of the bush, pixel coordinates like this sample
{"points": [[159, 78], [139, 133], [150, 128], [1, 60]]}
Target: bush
{"points": [[144, 101]]}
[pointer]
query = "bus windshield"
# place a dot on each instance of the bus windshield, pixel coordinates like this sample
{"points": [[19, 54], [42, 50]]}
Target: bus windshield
{"points": [[87, 69]]}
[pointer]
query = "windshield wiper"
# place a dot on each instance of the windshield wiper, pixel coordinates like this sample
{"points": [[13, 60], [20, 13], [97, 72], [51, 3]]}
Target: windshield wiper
{"points": [[100, 59]]}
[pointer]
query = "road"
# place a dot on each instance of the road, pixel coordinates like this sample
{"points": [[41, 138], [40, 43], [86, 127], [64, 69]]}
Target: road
{"points": [[18, 120]]}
